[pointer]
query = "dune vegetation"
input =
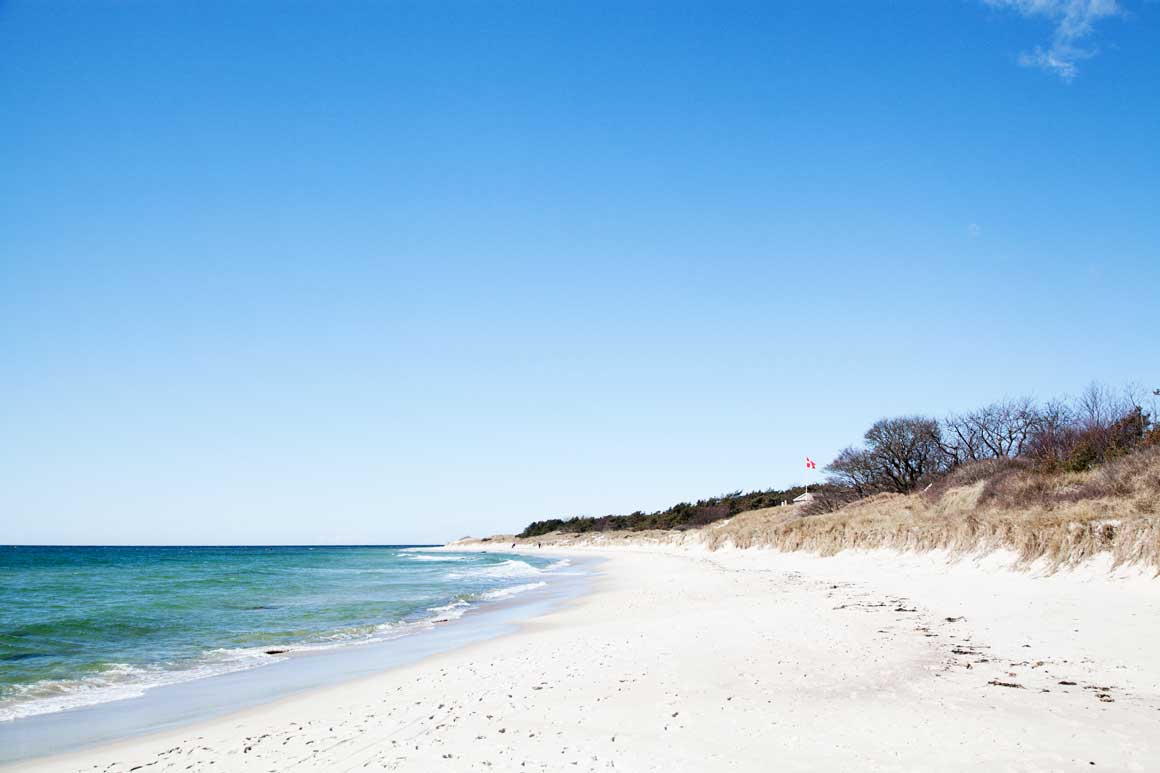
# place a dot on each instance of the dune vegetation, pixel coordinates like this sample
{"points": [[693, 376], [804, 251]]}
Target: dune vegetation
{"points": [[1061, 482], [1064, 519]]}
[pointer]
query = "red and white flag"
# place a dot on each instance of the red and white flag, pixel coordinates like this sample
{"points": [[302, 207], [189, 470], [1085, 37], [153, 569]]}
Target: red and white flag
{"points": [[811, 464]]}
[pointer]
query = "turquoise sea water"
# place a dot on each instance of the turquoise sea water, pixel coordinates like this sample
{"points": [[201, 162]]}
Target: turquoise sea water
{"points": [[80, 626]]}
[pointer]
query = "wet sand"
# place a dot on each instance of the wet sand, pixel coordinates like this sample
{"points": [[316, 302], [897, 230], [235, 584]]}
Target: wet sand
{"points": [[740, 660]]}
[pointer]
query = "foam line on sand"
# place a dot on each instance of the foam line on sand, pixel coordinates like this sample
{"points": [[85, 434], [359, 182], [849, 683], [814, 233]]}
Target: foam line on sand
{"points": [[740, 660]]}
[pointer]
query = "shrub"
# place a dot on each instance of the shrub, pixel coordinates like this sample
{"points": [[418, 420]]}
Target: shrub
{"points": [[684, 515]]}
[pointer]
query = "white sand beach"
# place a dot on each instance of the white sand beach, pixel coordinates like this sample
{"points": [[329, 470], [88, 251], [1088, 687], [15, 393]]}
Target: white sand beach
{"points": [[682, 659]]}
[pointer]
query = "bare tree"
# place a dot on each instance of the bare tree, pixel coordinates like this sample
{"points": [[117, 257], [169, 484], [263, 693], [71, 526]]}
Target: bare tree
{"points": [[907, 449], [899, 453], [1056, 434], [961, 441], [1000, 430], [1098, 407], [856, 469]]}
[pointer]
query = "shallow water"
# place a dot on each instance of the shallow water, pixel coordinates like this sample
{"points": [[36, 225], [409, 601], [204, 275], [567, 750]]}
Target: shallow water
{"points": [[85, 626]]}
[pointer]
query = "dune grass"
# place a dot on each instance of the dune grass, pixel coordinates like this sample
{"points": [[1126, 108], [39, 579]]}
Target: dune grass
{"points": [[1064, 519]]}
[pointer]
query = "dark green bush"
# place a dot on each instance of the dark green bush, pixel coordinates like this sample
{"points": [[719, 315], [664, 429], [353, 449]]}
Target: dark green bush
{"points": [[685, 515]]}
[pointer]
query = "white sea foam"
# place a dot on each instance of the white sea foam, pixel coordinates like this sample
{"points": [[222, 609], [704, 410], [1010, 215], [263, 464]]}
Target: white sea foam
{"points": [[457, 604], [120, 681], [508, 569], [503, 593]]}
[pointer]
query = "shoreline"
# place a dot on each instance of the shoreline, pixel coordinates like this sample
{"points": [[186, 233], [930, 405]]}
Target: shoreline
{"points": [[297, 670], [683, 659]]}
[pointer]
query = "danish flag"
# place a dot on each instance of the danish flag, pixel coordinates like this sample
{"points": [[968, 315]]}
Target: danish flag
{"points": [[811, 464]]}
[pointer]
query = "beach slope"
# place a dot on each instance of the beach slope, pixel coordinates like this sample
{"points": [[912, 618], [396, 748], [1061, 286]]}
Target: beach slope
{"points": [[740, 660]]}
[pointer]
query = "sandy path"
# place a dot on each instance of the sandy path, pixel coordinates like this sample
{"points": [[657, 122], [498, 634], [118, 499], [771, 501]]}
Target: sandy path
{"points": [[740, 661]]}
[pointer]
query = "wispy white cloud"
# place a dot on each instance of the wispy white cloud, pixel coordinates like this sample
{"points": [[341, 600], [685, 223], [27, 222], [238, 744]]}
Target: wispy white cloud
{"points": [[1074, 21]]}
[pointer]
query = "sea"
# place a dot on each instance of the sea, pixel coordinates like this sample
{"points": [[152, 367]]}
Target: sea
{"points": [[82, 626]]}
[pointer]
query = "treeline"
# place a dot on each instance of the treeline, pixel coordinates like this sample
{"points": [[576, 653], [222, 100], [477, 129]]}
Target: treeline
{"points": [[905, 453], [686, 515]]}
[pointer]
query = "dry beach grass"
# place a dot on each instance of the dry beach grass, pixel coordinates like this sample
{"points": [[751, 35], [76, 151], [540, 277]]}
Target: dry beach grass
{"points": [[1060, 519]]}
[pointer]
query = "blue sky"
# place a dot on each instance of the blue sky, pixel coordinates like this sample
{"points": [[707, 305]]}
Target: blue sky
{"points": [[395, 272]]}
